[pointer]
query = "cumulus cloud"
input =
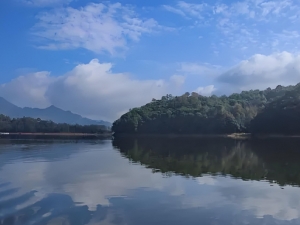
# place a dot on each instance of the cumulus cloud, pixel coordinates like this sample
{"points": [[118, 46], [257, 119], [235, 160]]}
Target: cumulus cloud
{"points": [[91, 90], [194, 74], [257, 72], [262, 71], [28, 90], [206, 91], [97, 27], [94, 90]]}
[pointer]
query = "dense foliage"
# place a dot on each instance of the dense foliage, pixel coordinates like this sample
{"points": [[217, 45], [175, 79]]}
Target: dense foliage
{"points": [[193, 113], [30, 125], [281, 116]]}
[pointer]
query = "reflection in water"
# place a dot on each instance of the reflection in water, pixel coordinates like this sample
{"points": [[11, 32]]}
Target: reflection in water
{"points": [[273, 160], [166, 181]]}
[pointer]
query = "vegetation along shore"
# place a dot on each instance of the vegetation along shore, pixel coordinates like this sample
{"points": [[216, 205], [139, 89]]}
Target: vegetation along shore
{"points": [[260, 113], [267, 113]]}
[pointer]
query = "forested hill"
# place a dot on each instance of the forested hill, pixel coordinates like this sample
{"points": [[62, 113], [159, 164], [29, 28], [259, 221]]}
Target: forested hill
{"points": [[281, 116], [196, 114], [30, 125]]}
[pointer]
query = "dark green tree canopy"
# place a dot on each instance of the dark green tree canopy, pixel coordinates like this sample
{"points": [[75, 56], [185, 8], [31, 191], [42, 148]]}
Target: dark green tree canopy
{"points": [[281, 116], [196, 114]]}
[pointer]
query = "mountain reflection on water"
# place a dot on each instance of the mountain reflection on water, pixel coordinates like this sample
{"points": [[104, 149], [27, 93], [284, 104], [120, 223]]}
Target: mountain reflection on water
{"points": [[275, 160], [150, 181]]}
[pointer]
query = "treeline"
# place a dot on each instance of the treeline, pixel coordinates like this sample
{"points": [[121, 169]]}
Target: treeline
{"points": [[30, 125], [281, 116], [196, 114]]}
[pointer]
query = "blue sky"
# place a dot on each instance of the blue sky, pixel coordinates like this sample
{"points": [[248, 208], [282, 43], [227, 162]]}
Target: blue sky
{"points": [[100, 58]]}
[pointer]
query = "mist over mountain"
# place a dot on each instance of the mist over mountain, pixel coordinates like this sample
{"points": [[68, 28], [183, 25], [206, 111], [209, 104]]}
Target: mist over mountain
{"points": [[52, 113]]}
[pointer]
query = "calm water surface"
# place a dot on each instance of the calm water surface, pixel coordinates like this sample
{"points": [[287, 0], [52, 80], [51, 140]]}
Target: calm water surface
{"points": [[150, 181]]}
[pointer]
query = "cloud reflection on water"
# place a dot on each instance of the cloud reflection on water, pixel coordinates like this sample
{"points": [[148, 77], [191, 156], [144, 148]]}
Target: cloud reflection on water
{"points": [[98, 180]]}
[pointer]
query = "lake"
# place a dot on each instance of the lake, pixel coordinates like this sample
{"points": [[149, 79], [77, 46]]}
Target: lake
{"points": [[150, 181]]}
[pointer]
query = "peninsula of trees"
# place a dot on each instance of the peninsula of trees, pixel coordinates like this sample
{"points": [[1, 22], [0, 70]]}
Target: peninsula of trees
{"points": [[271, 111]]}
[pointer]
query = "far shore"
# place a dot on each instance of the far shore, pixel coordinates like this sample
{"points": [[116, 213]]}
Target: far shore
{"points": [[235, 135], [49, 135], [241, 136]]}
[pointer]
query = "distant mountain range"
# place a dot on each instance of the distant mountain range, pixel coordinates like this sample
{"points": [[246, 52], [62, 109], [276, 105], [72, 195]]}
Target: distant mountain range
{"points": [[52, 113]]}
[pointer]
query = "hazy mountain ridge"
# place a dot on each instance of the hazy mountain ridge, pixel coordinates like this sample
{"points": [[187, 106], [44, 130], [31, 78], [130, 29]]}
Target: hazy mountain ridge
{"points": [[52, 113]]}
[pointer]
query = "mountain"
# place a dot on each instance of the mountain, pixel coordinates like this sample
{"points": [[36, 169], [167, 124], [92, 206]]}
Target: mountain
{"points": [[52, 113]]}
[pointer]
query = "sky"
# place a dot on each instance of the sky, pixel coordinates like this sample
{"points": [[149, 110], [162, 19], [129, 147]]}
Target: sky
{"points": [[101, 58]]}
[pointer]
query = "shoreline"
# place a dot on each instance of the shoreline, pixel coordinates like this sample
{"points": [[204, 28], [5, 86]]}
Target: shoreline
{"points": [[235, 135], [53, 135], [240, 136]]}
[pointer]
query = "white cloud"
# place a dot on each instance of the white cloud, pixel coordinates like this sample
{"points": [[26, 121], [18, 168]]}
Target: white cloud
{"points": [[201, 69], [262, 71], [186, 9], [257, 72], [274, 7], [45, 3], [178, 80], [91, 90], [97, 27], [247, 8], [241, 7], [220, 8], [206, 91], [193, 9], [261, 22], [28, 90], [174, 10]]}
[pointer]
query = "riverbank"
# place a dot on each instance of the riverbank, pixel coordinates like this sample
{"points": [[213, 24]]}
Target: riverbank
{"points": [[234, 136], [56, 135], [238, 136]]}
